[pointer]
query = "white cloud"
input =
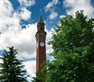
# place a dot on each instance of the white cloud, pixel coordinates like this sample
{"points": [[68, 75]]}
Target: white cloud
{"points": [[48, 38], [24, 13], [61, 16], [23, 40], [30, 66], [50, 7], [1, 61], [6, 16], [75, 5], [51, 4], [53, 15], [27, 2], [8, 7]]}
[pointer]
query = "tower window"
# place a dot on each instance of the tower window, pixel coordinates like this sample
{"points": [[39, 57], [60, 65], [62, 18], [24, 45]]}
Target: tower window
{"points": [[41, 28]]}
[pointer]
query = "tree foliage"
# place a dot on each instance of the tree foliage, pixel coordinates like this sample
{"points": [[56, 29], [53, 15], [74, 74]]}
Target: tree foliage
{"points": [[37, 79], [11, 70], [73, 45], [41, 74]]}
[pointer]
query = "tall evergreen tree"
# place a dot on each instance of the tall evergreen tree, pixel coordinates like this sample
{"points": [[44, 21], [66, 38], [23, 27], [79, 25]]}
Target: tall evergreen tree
{"points": [[11, 70], [73, 50]]}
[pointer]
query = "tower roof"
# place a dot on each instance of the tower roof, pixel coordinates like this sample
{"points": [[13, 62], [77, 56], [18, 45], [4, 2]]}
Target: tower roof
{"points": [[41, 20]]}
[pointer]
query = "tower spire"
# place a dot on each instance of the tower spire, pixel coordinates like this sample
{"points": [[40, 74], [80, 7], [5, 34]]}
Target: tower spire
{"points": [[41, 20]]}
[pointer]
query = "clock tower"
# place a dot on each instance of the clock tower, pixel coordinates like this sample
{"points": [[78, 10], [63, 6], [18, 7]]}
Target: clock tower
{"points": [[41, 45]]}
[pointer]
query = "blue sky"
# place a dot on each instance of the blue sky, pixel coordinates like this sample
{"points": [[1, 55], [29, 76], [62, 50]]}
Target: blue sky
{"points": [[15, 15], [39, 9]]}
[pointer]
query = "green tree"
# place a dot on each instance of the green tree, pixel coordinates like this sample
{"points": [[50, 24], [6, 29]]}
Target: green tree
{"points": [[11, 70], [73, 45], [37, 79], [41, 74]]}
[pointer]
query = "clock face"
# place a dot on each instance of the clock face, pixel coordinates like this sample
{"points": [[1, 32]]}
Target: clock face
{"points": [[41, 44]]}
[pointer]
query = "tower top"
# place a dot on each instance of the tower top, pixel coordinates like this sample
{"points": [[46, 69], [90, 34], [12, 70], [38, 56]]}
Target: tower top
{"points": [[41, 20]]}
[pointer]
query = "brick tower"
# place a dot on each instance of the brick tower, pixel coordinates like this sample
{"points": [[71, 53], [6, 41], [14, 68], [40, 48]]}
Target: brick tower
{"points": [[41, 45]]}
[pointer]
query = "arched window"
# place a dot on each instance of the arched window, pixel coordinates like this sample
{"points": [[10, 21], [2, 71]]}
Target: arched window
{"points": [[41, 28]]}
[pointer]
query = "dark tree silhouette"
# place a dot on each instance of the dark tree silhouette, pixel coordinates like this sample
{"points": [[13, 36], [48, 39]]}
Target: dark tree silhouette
{"points": [[11, 69]]}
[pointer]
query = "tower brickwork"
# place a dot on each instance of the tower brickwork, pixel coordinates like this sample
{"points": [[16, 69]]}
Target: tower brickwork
{"points": [[41, 45]]}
